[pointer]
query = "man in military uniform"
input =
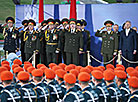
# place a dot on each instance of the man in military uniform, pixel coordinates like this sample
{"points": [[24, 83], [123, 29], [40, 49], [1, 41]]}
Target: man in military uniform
{"points": [[21, 36], [109, 41], [73, 43], [9, 93], [27, 92], [100, 87], [11, 41], [86, 44], [88, 92], [58, 29], [72, 94], [42, 42], [120, 81], [30, 39], [62, 37], [112, 88], [40, 87], [52, 42], [133, 85]]}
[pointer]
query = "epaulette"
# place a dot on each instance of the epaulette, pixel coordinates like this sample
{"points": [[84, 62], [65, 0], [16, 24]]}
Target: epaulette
{"points": [[112, 32], [104, 32]]}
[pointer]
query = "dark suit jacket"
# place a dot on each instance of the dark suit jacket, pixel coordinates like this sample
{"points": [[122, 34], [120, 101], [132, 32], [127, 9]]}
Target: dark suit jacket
{"points": [[128, 43]]}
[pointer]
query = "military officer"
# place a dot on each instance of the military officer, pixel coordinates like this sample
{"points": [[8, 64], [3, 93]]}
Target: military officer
{"points": [[58, 30], [11, 41], [73, 43], [52, 42], [86, 44], [62, 37], [25, 24], [42, 42], [30, 39], [109, 41], [9, 93]]}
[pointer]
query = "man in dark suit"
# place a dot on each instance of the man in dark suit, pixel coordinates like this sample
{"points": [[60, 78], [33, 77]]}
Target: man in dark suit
{"points": [[128, 42]]}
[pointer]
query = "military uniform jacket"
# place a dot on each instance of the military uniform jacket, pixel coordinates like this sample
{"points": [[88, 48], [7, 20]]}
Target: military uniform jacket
{"points": [[89, 94], [102, 92], [109, 42], [73, 95], [114, 92], [133, 97], [31, 41], [62, 39], [73, 41], [11, 40], [10, 94], [52, 40], [125, 92], [41, 42], [28, 94], [43, 92]]}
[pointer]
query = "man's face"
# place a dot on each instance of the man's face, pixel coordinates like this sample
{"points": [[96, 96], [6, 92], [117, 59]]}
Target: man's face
{"points": [[31, 27], [115, 28], [10, 24], [72, 26], [109, 28], [51, 26], [127, 25], [82, 27], [56, 25], [78, 27]]}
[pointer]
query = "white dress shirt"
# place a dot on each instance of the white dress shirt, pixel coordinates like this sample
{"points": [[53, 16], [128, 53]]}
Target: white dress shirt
{"points": [[127, 31]]}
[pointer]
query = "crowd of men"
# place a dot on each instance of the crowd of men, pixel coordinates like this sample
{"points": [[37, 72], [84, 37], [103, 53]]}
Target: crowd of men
{"points": [[67, 83], [53, 40], [67, 41]]}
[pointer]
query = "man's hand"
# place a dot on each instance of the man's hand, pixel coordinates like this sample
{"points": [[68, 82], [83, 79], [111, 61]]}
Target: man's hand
{"points": [[135, 51], [57, 51], [115, 53], [102, 28], [120, 51]]}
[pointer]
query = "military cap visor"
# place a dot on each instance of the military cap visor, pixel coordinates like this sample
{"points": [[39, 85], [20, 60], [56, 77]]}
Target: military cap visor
{"points": [[32, 22], [107, 23], [72, 21], [10, 20], [64, 21], [57, 21], [25, 22], [44, 23], [50, 21]]}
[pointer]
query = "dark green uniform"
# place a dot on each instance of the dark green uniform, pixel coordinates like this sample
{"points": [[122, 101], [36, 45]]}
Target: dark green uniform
{"points": [[62, 43], [31, 43], [52, 43], [73, 44], [109, 44], [41, 47]]}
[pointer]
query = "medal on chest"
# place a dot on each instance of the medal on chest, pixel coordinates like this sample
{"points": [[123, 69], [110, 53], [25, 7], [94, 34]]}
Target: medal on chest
{"points": [[55, 37], [33, 38]]}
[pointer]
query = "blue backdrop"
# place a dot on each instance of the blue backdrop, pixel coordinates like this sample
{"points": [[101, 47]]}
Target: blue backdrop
{"points": [[94, 14]]}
